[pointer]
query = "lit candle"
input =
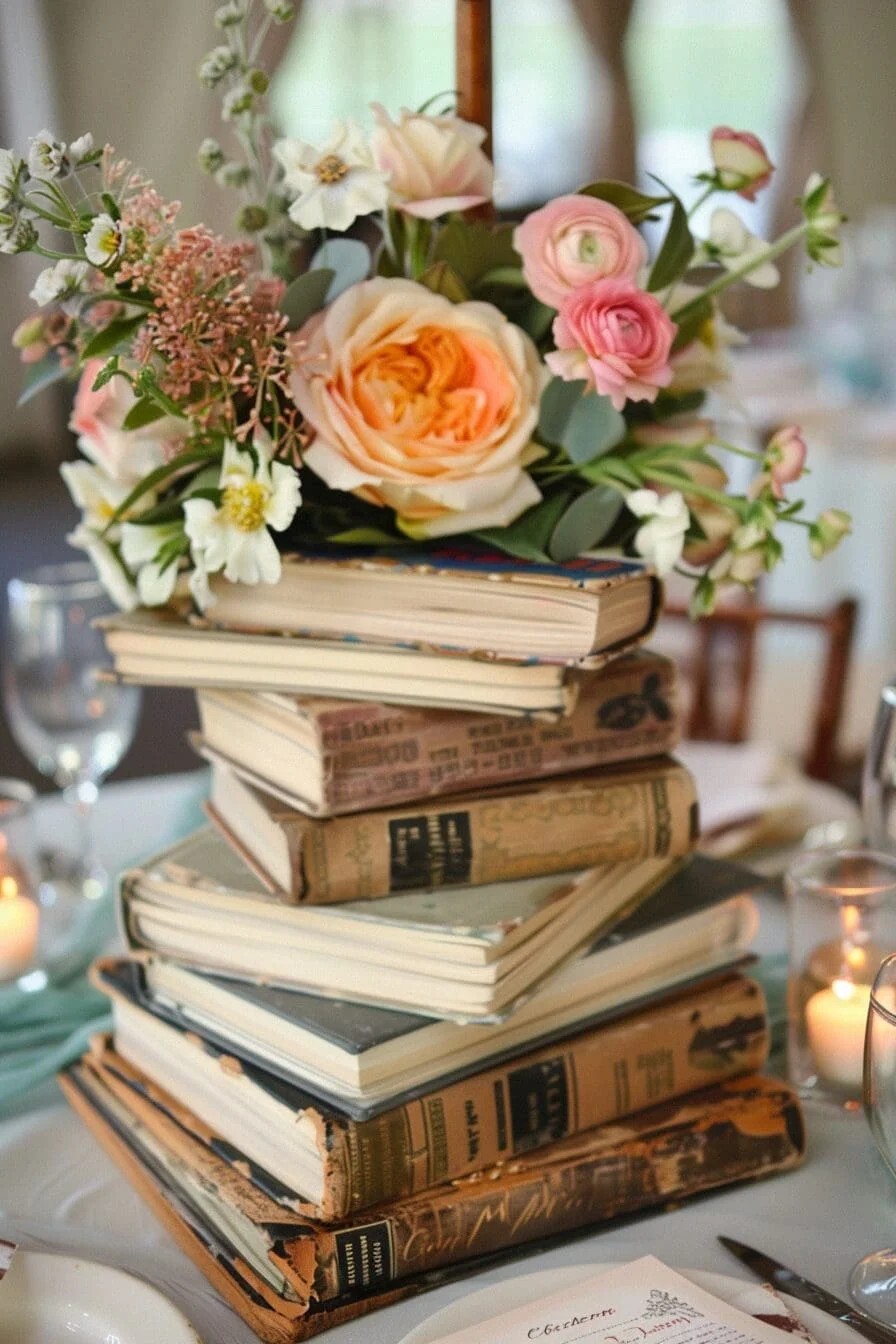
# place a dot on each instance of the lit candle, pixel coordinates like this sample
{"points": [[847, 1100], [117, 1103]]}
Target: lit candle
{"points": [[835, 1026], [18, 929]]}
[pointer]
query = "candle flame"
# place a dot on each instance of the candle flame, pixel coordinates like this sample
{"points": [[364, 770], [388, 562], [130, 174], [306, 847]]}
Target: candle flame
{"points": [[844, 989]]}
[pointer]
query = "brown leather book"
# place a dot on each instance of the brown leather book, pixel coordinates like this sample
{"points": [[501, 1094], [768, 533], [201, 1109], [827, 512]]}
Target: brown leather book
{"points": [[327, 757], [611, 814], [735, 1131]]}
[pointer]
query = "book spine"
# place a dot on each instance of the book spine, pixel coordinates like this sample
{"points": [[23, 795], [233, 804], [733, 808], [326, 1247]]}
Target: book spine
{"points": [[748, 1128], [496, 837], [597, 1076], [376, 757]]}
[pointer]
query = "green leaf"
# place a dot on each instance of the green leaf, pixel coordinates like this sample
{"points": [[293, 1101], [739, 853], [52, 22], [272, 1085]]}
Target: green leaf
{"points": [[689, 329], [617, 467], [472, 249], [593, 428], [505, 275], [367, 536], [443, 279], [347, 258], [586, 522], [635, 204], [147, 386], [527, 536], [675, 254], [143, 412], [109, 371], [114, 337], [558, 401], [157, 477], [43, 373], [306, 296]]}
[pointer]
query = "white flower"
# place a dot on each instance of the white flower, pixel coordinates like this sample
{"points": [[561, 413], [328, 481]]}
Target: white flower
{"points": [[233, 535], [11, 169], [46, 157], [111, 571], [60, 281], [104, 242], [79, 149], [661, 538], [745, 558], [17, 233], [732, 245], [141, 547], [95, 492], [332, 185]]}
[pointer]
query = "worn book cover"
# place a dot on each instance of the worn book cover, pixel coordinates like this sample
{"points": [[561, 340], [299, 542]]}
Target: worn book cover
{"points": [[739, 1130], [469, 953], [338, 1165], [612, 814], [364, 1057], [328, 757], [460, 595]]}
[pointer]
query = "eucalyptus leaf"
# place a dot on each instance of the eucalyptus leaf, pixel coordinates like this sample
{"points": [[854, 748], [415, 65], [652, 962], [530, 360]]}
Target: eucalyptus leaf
{"points": [[443, 279], [145, 411], [593, 428], [527, 536], [305, 296], [558, 401], [635, 204], [113, 337], [347, 258], [43, 373], [586, 522], [675, 255]]}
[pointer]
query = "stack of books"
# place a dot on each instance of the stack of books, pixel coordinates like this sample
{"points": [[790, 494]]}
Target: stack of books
{"points": [[439, 980]]}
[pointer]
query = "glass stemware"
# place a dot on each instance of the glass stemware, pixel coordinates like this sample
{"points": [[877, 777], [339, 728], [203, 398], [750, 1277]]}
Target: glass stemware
{"points": [[879, 774], [70, 723], [873, 1280]]}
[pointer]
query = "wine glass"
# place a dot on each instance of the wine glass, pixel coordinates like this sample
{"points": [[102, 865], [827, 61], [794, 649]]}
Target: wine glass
{"points": [[873, 1280], [73, 725], [879, 774]]}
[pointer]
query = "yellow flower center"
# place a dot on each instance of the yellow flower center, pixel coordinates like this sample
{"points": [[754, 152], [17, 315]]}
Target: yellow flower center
{"points": [[330, 169], [245, 505]]}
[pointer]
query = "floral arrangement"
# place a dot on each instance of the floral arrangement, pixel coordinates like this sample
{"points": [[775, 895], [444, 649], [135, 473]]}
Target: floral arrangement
{"points": [[377, 362]]}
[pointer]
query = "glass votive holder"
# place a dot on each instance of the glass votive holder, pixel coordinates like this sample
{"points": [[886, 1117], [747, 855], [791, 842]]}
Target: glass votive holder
{"points": [[19, 914], [842, 923]]}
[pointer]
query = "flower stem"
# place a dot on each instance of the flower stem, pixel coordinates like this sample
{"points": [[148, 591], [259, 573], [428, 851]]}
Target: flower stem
{"points": [[738, 272]]}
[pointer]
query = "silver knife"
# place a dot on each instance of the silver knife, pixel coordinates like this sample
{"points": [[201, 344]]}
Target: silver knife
{"points": [[772, 1271]]}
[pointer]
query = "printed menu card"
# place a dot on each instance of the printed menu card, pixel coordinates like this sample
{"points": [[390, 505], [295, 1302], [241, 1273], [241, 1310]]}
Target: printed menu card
{"points": [[643, 1302]]}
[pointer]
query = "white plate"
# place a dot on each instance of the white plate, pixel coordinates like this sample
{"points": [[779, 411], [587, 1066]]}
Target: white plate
{"points": [[512, 1293], [45, 1299]]}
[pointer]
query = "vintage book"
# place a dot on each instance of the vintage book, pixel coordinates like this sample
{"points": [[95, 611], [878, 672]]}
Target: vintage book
{"points": [[470, 953], [330, 756], [459, 596], [337, 1165], [158, 648], [364, 1058], [612, 814], [739, 1130]]}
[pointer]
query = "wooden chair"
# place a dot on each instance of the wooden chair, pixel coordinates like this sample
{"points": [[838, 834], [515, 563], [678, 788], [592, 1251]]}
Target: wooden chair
{"points": [[720, 663]]}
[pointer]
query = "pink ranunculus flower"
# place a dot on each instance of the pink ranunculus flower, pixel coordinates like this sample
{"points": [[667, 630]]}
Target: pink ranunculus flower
{"points": [[420, 405], [573, 240], [434, 164], [741, 161], [615, 336], [126, 455], [785, 457]]}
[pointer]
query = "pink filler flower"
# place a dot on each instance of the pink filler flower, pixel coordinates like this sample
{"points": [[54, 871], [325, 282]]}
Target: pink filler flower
{"points": [[615, 336], [785, 457]]}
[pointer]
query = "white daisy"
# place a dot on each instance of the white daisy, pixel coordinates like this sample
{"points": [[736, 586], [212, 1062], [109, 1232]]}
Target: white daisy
{"points": [[332, 185], [104, 243], [233, 535]]}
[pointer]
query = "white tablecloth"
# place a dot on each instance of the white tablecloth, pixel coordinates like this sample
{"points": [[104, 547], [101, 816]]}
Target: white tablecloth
{"points": [[59, 1191]]}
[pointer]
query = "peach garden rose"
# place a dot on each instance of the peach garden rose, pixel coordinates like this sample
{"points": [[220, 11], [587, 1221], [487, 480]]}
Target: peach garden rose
{"points": [[420, 405], [573, 240]]}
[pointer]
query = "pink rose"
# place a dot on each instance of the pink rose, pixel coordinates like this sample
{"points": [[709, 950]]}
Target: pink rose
{"points": [[434, 164], [615, 336], [785, 457], [573, 240], [420, 405], [97, 418], [741, 162]]}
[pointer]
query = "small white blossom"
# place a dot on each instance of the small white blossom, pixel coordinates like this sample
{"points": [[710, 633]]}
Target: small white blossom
{"points": [[110, 569], [104, 243], [661, 538], [47, 157], [332, 185], [141, 546], [58, 282], [17, 233], [233, 535], [81, 148], [94, 492], [218, 63], [731, 244], [231, 13]]}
